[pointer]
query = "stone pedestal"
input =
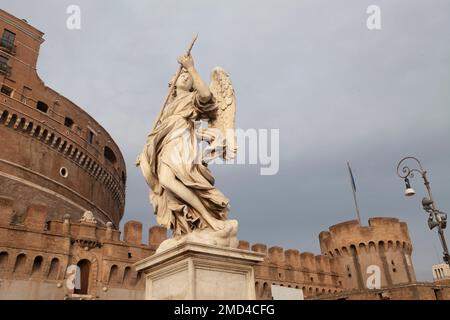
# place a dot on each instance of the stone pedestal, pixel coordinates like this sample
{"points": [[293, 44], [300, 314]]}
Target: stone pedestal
{"points": [[193, 270]]}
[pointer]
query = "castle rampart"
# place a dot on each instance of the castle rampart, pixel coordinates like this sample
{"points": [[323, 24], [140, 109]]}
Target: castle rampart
{"points": [[384, 243], [52, 151]]}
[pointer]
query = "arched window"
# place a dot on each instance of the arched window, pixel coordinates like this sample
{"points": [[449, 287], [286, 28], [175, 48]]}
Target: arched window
{"points": [[113, 274], [3, 259], [91, 136], [109, 154], [85, 268], [41, 106], [361, 247], [127, 276], [257, 289], [37, 131], [390, 244], [20, 264], [44, 134], [4, 116], [54, 269], [36, 265], [12, 121], [266, 291], [21, 124], [138, 278]]}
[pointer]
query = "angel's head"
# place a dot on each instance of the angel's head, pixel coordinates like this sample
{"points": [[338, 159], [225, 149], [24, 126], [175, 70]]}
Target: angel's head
{"points": [[184, 81]]}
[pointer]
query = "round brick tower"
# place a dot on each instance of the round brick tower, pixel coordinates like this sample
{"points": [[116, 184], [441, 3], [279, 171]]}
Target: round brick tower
{"points": [[52, 152], [355, 250]]}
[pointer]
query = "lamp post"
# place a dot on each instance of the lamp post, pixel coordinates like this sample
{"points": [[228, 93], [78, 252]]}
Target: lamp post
{"points": [[436, 217]]}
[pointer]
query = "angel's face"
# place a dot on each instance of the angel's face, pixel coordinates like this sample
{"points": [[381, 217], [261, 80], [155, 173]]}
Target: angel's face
{"points": [[184, 82]]}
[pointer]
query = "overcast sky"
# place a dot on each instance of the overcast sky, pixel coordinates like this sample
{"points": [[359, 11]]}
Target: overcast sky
{"points": [[335, 90]]}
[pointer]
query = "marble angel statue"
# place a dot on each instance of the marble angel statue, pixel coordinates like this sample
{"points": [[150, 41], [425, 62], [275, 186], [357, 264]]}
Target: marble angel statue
{"points": [[183, 194]]}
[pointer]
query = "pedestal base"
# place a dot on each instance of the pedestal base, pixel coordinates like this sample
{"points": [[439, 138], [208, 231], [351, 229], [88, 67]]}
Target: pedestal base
{"points": [[197, 271]]}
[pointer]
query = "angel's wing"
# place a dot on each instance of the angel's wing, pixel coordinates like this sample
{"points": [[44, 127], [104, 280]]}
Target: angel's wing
{"points": [[224, 121]]}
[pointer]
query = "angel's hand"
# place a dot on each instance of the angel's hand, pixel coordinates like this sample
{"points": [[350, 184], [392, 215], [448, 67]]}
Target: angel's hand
{"points": [[186, 61]]}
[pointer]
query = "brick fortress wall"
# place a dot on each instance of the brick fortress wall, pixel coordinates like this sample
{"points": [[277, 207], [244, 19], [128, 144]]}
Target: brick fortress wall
{"points": [[52, 152]]}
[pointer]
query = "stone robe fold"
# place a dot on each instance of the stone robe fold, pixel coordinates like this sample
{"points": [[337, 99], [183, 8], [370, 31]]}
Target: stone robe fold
{"points": [[174, 143]]}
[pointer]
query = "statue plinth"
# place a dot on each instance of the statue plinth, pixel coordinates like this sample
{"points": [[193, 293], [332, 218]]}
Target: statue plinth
{"points": [[197, 271]]}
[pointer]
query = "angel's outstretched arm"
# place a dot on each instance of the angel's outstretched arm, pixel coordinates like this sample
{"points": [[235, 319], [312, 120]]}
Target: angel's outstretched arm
{"points": [[204, 95]]}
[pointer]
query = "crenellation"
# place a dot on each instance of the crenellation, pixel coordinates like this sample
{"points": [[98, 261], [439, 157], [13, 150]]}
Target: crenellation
{"points": [[133, 232], [244, 245], [289, 268], [276, 255], [36, 216], [307, 261], [156, 235], [258, 247], [109, 231], [85, 230], [292, 258], [322, 263], [6, 210], [59, 227]]}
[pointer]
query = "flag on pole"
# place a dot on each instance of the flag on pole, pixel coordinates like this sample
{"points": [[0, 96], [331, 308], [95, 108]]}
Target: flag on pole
{"points": [[352, 182], [351, 177]]}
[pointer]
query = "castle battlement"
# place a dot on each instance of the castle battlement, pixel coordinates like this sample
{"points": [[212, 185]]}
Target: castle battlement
{"points": [[36, 219], [52, 150], [34, 247], [290, 268], [33, 241], [343, 237], [384, 243]]}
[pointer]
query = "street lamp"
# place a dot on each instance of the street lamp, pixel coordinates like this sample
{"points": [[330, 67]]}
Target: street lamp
{"points": [[436, 218]]}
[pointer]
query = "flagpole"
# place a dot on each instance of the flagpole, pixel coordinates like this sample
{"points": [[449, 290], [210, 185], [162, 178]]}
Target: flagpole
{"points": [[352, 184]]}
